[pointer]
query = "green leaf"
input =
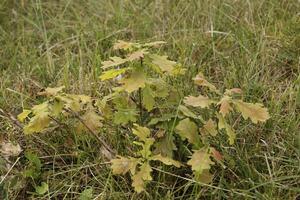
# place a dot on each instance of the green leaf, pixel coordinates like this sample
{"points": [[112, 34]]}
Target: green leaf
{"points": [[135, 81], [187, 112], [146, 150], [112, 73], [205, 177], [122, 165], [200, 101], [163, 63], [159, 87], [148, 99], [200, 160], [165, 146], [256, 112], [86, 194], [42, 189], [166, 160], [123, 116], [187, 129], [22, 116], [138, 179]]}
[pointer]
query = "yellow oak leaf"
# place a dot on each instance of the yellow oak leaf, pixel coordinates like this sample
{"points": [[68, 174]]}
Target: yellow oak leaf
{"points": [[142, 132], [51, 91], [120, 44], [122, 165], [109, 74], [187, 129], [199, 101], [210, 127], [137, 55], [37, 123], [225, 106], [163, 63], [256, 112], [166, 160], [138, 179], [201, 81], [114, 61], [200, 160], [135, 81], [22, 116]]}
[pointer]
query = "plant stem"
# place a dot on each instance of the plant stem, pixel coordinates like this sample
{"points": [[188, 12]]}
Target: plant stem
{"points": [[140, 99]]}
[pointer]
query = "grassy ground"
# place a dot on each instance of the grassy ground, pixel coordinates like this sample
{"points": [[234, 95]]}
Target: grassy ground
{"points": [[254, 45]]}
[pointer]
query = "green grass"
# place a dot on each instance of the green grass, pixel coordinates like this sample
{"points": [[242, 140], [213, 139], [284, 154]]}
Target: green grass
{"points": [[254, 45]]}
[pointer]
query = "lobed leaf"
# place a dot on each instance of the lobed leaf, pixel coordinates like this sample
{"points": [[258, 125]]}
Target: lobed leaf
{"points": [[166, 160], [113, 62], [112, 73], [138, 179], [187, 129], [200, 160], [135, 81], [163, 63], [22, 116], [210, 127], [200, 101], [256, 112], [122, 165]]}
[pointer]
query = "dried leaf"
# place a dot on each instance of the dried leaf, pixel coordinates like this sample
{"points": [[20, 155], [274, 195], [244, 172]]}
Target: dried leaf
{"points": [[10, 149]]}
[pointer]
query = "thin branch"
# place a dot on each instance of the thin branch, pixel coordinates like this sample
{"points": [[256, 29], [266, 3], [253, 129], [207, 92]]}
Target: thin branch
{"points": [[92, 131]]}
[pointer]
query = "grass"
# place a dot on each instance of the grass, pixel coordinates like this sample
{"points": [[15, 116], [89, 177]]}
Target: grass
{"points": [[254, 45]]}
